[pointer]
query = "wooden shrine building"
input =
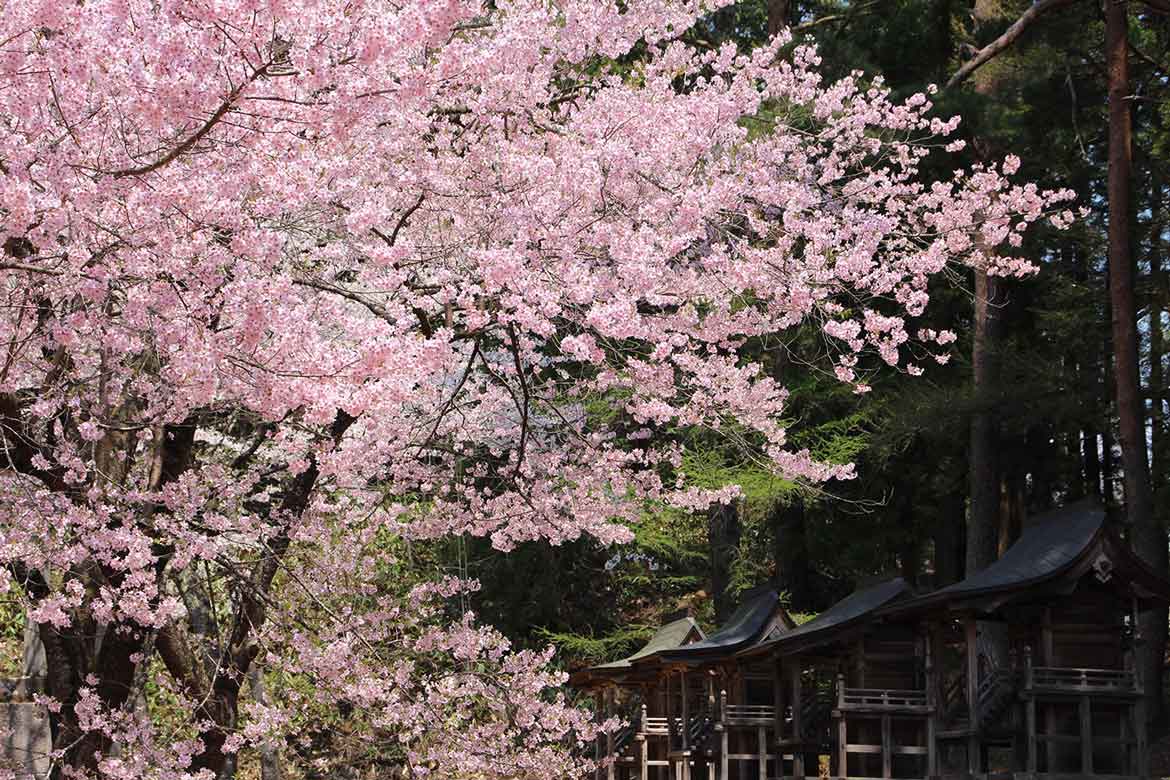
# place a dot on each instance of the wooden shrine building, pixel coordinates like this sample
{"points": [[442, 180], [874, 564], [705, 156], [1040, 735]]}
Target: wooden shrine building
{"points": [[1026, 669]]}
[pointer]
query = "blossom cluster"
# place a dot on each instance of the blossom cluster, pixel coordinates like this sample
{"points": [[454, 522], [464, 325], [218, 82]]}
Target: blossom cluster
{"points": [[284, 275]]}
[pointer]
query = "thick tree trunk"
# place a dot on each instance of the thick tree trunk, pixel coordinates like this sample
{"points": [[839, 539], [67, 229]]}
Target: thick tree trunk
{"points": [[791, 553], [1108, 462], [269, 753], [1148, 539], [984, 468], [949, 533], [778, 11], [723, 533], [984, 474]]}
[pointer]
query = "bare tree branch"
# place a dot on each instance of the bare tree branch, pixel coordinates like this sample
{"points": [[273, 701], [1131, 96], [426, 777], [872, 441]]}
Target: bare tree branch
{"points": [[1010, 35]]}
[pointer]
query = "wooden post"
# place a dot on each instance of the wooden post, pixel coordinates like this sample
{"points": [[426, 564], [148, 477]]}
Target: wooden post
{"points": [[611, 770], [722, 727], [778, 715], [1086, 735], [597, 692], [669, 714], [797, 726], [1031, 711], [1048, 658], [887, 748], [644, 753], [970, 628], [762, 732], [686, 719], [1141, 729], [931, 703], [842, 730]]}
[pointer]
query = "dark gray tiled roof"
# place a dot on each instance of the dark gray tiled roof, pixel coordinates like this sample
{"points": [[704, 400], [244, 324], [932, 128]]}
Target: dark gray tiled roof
{"points": [[1047, 545], [745, 625], [845, 612], [667, 637]]}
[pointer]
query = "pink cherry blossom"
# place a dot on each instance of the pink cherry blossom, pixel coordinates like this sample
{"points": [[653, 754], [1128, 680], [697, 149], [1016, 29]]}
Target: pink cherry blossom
{"points": [[283, 280]]}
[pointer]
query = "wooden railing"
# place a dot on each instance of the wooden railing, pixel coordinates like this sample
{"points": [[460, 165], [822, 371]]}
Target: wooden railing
{"points": [[655, 726], [877, 698], [1055, 678], [748, 714]]}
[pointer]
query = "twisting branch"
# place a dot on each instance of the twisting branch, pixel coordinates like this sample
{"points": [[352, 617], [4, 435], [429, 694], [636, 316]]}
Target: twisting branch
{"points": [[526, 399], [991, 50], [195, 137], [392, 239]]}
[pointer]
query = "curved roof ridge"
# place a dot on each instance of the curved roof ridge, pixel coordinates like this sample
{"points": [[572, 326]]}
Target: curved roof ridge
{"points": [[668, 637], [747, 624], [845, 613], [1047, 546]]}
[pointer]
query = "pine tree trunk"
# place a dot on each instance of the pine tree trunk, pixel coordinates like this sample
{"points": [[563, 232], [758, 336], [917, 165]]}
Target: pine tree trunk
{"points": [[791, 553], [984, 474], [948, 534], [1148, 540], [723, 532], [984, 468], [778, 11]]}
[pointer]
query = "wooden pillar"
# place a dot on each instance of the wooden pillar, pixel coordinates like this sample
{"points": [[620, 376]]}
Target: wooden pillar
{"points": [[1086, 736], [1048, 658], [1031, 711], [644, 747], [778, 715], [669, 714], [610, 706], [797, 726], [842, 730], [931, 702], [887, 747], [1141, 729], [762, 733], [684, 772], [973, 747], [722, 726], [598, 693]]}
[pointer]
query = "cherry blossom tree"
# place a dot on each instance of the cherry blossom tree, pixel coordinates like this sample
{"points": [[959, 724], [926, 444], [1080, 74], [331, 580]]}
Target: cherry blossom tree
{"points": [[283, 279]]}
